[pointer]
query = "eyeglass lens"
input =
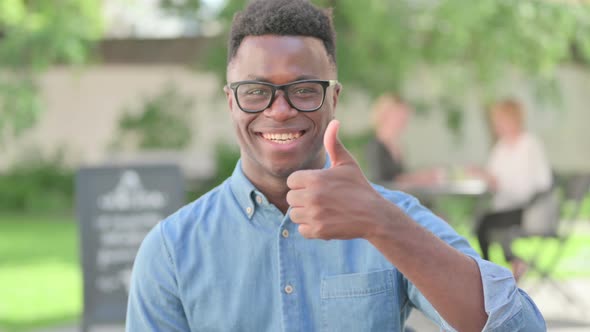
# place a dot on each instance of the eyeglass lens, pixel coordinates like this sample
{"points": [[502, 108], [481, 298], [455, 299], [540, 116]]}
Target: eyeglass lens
{"points": [[303, 96]]}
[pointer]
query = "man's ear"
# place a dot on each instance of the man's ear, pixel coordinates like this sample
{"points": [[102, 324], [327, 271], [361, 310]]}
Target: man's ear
{"points": [[229, 97], [336, 95]]}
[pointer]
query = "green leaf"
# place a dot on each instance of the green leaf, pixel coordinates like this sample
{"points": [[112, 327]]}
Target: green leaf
{"points": [[34, 36]]}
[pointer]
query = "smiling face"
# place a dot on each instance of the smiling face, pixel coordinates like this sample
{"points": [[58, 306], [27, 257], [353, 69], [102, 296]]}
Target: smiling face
{"points": [[280, 139]]}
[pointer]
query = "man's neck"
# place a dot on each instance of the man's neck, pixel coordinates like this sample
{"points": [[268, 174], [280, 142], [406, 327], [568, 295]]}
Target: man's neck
{"points": [[275, 190], [272, 185]]}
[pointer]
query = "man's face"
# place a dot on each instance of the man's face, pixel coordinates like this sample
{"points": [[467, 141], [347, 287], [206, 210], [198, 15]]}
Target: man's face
{"points": [[280, 139]]}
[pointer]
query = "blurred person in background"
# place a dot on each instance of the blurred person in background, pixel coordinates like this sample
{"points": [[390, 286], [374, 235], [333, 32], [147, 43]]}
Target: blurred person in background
{"points": [[385, 154], [517, 170]]}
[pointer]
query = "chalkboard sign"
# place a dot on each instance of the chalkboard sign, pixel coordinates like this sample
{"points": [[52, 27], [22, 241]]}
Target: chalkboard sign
{"points": [[116, 207]]}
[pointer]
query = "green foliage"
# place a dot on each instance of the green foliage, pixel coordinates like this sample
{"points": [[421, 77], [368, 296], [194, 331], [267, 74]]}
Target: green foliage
{"points": [[216, 57], [38, 185], [461, 44], [356, 144], [383, 44], [585, 209], [161, 123], [226, 157], [39, 263], [33, 36], [19, 104]]}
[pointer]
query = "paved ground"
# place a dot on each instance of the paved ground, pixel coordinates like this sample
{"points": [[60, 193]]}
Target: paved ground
{"points": [[560, 314]]}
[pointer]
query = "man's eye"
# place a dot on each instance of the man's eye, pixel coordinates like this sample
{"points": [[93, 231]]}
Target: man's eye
{"points": [[257, 92], [305, 91]]}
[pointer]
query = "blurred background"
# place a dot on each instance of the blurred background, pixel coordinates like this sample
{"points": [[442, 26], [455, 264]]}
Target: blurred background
{"points": [[109, 82]]}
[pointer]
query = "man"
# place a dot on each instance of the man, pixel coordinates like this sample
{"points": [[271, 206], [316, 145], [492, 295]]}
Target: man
{"points": [[252, 255]]}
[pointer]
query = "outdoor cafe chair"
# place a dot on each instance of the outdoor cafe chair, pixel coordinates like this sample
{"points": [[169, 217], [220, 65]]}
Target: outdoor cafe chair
{"points": [[550, 217]]}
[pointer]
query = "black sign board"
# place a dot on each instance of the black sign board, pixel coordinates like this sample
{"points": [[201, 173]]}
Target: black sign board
{"points": [[116, 207]]}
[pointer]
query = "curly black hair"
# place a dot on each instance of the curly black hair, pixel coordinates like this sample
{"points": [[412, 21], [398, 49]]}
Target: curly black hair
{"points": [[283, 17]]}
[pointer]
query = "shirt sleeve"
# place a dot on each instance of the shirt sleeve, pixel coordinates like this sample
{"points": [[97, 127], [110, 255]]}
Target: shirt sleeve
{"points": [[154, 303], [508, 307]]}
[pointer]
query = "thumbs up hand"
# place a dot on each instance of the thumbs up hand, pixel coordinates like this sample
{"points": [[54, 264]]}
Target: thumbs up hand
{"points": [[336, 150], [338, 202]]}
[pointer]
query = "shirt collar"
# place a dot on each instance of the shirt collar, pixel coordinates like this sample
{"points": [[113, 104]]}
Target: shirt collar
{"points": [[246, 193], [243, 190]]}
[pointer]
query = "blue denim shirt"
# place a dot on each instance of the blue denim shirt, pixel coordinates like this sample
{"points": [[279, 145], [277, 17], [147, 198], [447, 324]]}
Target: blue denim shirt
{"points": [[231, 261]]}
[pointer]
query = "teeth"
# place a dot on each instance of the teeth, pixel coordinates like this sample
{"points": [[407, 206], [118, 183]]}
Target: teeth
{"points": [[281, 138]]}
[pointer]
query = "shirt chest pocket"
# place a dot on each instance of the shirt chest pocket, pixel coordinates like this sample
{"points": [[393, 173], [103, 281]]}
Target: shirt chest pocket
{"points": [[359, 302]]}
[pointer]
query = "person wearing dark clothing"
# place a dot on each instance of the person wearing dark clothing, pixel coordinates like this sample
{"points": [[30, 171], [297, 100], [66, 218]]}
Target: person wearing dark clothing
{"points": [[383, 166], [384, 153], [495, 221]]}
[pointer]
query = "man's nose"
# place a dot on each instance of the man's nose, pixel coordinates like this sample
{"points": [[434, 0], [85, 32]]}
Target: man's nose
{"points": [[280, 110]]}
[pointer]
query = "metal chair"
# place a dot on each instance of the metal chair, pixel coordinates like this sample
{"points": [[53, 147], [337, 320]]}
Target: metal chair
{"points": [[551, 216]]}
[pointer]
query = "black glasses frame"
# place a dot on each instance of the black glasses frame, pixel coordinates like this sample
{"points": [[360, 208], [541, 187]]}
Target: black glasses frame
{"points": [[274, 87]]}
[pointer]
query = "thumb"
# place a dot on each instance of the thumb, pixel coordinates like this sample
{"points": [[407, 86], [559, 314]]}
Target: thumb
{"points": [[336, 151]]}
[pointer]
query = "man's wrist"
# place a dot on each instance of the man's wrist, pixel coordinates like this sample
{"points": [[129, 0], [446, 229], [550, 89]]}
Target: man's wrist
{"points": [[384, 226]]}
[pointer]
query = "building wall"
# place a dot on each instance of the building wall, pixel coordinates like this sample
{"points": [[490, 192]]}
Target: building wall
{"points": [[82, 107]]}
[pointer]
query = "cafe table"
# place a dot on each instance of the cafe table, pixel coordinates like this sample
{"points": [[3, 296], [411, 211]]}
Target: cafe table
{"points": [[432, 195]]}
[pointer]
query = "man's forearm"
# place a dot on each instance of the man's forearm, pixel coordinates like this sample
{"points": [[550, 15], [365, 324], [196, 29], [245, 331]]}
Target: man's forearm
{"points": [[449, 279]]}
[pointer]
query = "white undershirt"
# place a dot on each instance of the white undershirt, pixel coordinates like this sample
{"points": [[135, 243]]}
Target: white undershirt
{"points": [[521, 170]]}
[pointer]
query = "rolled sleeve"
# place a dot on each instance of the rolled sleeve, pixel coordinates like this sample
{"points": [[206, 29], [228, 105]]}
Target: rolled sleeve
{"points": [[509, 308]]}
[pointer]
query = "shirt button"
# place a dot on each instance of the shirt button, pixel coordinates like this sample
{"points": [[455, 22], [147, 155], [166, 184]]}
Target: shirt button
{"points": [[249, 210], [285, 233], [288, 289], [259, 199]]}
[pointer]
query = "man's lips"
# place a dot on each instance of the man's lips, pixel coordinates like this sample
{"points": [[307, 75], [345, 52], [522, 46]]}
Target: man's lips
{"points": [[282, 137]]}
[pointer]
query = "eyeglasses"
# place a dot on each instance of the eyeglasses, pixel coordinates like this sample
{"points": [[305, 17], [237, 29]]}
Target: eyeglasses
{"points": [[304, 95]]}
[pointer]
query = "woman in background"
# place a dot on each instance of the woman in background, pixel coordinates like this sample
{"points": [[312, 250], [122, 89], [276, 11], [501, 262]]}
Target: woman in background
{"points": [[517, 169]]}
